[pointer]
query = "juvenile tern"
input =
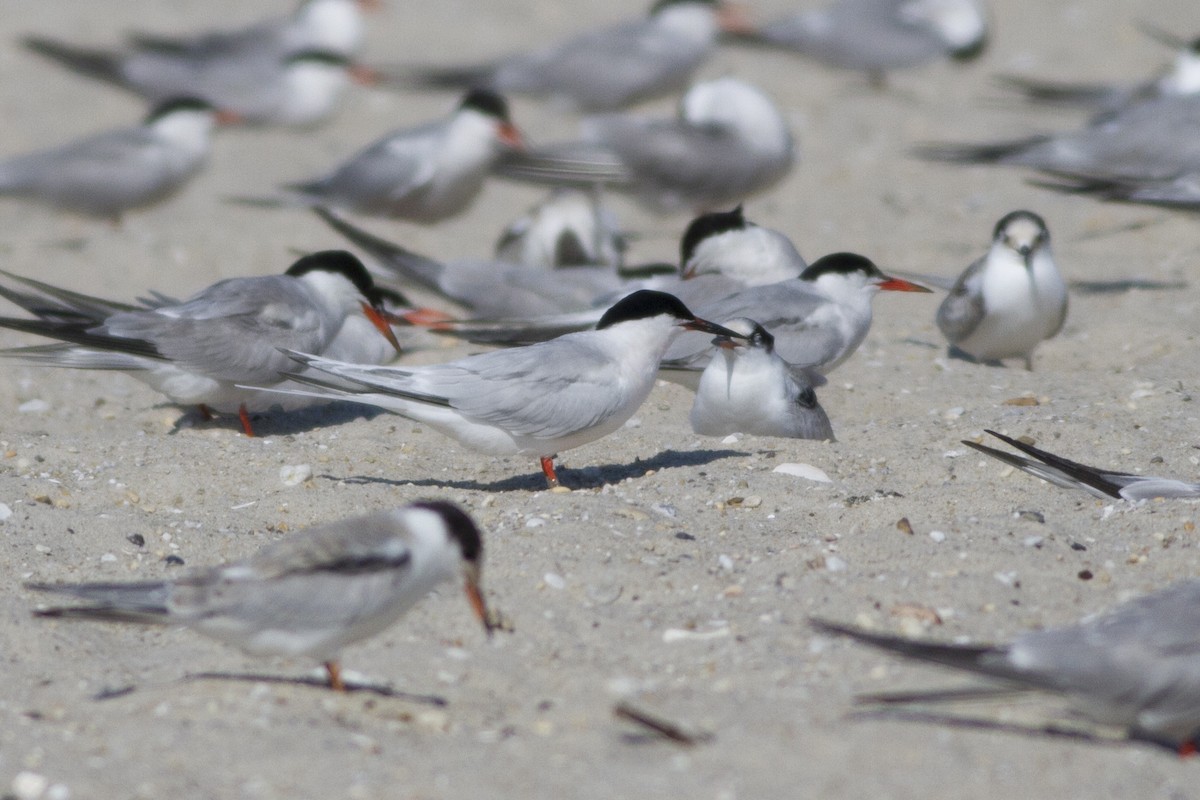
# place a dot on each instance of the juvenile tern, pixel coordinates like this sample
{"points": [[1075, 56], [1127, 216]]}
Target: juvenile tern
{"points": [[1011, 299], [310, 594], [1134, 667], [602, 70], [198, 350], [423, 174], [747, 388], [109, 173], [727, 142], [876, 36], [537, 400], [1098, 482]]}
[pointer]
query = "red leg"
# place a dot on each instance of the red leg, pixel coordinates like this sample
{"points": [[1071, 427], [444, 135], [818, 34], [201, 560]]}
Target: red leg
{"points": [[548, 470], [334, 671], [205, 413], [244, 416]]}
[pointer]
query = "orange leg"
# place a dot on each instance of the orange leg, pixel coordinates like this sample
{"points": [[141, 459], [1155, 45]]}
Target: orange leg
{"points": [[335, 676], [205, 413], [548, 470], [244, 416]]}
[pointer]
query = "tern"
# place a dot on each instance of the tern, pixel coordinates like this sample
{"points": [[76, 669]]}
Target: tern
{"points": [[310, 594], [423, 174], [196, 351], [747, 388], [107, 174], [1011, 299], [603, 70], [1102, 483], [569, 228], [1134, 667], [727, 142], [537, 400], [876, 36]]}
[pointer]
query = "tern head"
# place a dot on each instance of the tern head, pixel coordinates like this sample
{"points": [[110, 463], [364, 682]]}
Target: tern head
{"points": [[1023, 232], [960, 24], [492, 105], [839, 271], [331, 24], [756, 336], [461, 530], [726, 243], [650, 304], [703, 228], [347, 266]]}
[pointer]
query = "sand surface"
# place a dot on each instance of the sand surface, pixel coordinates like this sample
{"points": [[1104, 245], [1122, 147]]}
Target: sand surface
{"points": [[594, 580]]}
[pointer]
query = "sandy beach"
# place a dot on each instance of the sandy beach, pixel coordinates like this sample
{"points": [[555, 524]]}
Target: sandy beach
{"points": [[680, 576]]}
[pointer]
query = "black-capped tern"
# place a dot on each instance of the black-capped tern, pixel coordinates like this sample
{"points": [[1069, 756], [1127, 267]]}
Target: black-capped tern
{"points": [[537, 400], [1098, 482], [727, 142], [310, 594], [197, 351], [1011, 299], [107, 174], [747, 388]]}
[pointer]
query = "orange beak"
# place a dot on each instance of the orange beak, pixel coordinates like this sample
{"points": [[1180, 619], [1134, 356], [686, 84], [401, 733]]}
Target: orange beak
{"points": [[226, 117], [381, 324], [370, 5], [364, 75], [508, 134], [734, 18], [475, 598], [423, 317], [901, 285]]}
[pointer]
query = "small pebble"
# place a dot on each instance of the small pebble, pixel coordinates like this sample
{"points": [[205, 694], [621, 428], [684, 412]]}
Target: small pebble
{"points": [[33, 407], [835, 564], [806, 471], [1034, 541], [295, 474], [173, 561], [732, 438], [953, 413], [554, 580], [136, 539], [29, 785], [937, 536], [5, 512], [534, 522]]}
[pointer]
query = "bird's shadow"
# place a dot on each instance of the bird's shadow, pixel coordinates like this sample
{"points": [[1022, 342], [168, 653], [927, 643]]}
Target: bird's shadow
{"points": [[589, 478], [351, 686], [1125, 285], [281, 423]]}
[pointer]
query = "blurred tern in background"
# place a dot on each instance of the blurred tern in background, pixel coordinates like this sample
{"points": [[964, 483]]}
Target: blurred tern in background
{"points": [[310, 594], [570, 228]]}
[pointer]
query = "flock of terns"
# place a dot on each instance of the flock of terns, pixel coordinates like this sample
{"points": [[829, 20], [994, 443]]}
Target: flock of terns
{"points": [[743, 319]]}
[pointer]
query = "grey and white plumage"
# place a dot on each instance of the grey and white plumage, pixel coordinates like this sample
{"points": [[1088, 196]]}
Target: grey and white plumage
{"points": [[1102, 483], [1148, 141], [298, 88], [1180, 191], [1011, 299], [747, 388], [423, 174], [728, 141], [109, 173], [568, 228], [198, 350], [1134, 667], [536, 400], [876, 36], [311, 594], [603, 70]]}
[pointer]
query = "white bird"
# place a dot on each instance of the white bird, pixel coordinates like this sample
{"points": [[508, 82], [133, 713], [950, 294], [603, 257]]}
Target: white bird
{"points": [[423, 174], [569, 228], [310, 594], [196, 351], [818, 319], [109, 173], [728, 141], [1098, 482], [1134, 667], [602, 70], [299, 88], [335, 26], [747, 388], [876, 36], [1011, 299], [537, 400]]}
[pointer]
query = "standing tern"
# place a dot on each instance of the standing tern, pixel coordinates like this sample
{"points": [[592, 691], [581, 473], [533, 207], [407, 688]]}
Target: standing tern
{"points": [[424, 174], [1011, 299], [727, 142], [197, 351], [875, 36], [747, 388], [1098, 482], [109, 173], [1134, 667], [603, 70], [537, 400], [298, 88], [310, 594]]}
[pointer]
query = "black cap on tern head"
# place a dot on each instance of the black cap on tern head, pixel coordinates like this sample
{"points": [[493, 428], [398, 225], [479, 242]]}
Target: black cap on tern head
{"points": [[341, 263], [841, 264], [661, 4], [485, 101], [176, 104], [644, 304], [460, 527], [1013, 216], [317, 57], [707, 225]]}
